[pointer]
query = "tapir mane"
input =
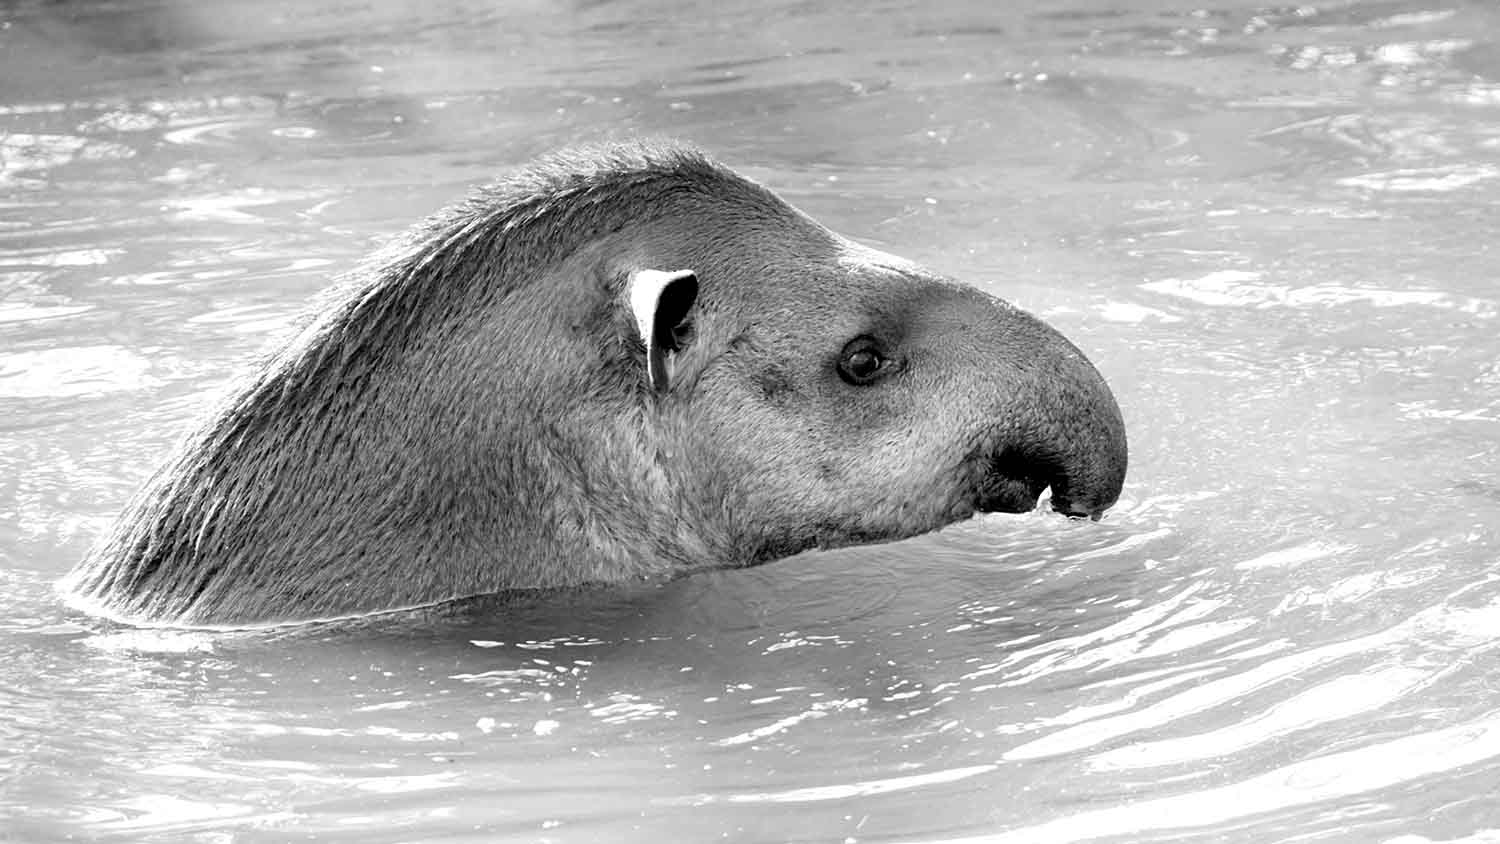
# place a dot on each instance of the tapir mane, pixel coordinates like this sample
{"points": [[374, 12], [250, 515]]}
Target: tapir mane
{"points": [[474, 253]]}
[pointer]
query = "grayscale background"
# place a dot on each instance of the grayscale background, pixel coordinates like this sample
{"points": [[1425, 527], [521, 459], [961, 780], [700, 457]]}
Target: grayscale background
{"points": [[1272, 227]]}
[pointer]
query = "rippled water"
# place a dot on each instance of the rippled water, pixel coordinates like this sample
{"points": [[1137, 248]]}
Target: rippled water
{"points": [[1271, 227]]}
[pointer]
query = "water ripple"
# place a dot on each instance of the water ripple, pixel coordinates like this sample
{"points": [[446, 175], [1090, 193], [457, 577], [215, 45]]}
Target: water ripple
{"points": [[70, 372], [1475, 628], [1323, 778], [1243, 288], [845, 791]]}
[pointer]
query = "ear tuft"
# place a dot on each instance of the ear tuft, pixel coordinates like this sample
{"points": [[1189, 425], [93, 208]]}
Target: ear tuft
{"points": [[661, 301]]}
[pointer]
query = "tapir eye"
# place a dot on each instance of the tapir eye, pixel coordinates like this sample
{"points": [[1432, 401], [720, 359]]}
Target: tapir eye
{"points": [[862, 362]]}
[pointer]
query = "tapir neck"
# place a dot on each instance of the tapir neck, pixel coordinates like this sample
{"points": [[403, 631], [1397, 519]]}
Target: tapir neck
{"points": [[399, 477]]}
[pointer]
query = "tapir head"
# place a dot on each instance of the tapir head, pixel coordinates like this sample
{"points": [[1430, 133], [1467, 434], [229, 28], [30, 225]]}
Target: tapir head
{"points": [[837, 395]]}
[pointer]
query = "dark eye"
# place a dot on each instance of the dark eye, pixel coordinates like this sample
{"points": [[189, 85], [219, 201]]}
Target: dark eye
{"points": [[862, 363]]}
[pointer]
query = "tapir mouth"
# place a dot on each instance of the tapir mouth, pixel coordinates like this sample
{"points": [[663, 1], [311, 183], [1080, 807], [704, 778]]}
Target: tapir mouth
{"points": [[1014, 479], [1012, 482]]}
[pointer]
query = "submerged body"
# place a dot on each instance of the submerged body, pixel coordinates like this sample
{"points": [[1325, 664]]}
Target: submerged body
{"points": [[614, 364]]}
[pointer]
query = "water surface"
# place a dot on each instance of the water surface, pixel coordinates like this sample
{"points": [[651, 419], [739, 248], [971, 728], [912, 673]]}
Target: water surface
{"points": [[1270, 226]]}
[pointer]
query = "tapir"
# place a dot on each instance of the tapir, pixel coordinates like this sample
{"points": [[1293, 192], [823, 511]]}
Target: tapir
{"points": [[613, 364]]}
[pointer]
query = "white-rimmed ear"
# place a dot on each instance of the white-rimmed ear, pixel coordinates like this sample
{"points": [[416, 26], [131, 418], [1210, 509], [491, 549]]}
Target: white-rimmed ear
{"points": [[660, 302]]}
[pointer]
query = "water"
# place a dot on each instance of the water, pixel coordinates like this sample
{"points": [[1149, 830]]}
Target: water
{"points": [[1271, 227]]}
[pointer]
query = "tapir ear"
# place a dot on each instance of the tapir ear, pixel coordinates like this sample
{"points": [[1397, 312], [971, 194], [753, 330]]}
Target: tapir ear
{"points": [[661, 302]]}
